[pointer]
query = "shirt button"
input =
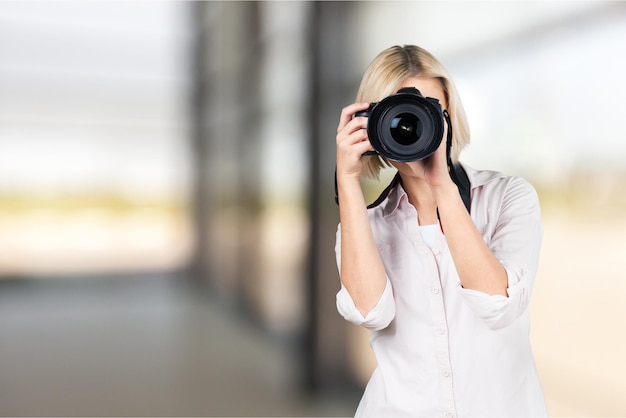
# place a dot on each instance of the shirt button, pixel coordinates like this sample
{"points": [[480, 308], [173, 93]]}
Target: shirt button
{"points": [[450, 415], [441, 331], [445, 373], [436, 290]]}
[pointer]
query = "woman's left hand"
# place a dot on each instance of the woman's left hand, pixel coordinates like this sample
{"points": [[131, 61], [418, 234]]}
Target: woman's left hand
{"points": [[436, 170], [433, 170]]}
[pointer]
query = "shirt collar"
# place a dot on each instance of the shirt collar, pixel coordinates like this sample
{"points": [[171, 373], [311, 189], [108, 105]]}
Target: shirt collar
{"points": [[395, 193], [479, 178]]}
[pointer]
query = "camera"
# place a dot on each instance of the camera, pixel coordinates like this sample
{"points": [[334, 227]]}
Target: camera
{"points": [[405, 126]]}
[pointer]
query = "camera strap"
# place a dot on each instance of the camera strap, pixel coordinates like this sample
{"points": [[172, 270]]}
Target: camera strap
{"points": [[457, 173]]}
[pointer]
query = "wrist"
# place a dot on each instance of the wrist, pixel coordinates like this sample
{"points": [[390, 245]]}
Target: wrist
{"points": [[348, 178], [445, 191]]}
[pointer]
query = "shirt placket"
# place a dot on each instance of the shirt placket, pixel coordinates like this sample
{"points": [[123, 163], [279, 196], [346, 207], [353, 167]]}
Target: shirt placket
{"points": [[440, 325], [442, 341]]}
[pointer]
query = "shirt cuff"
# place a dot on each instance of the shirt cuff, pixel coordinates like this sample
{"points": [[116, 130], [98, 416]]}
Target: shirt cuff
{"points": [[499, 311], [376, 319]]}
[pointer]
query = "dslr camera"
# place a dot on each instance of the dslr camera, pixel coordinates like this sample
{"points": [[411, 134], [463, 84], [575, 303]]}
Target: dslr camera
{"points": [[405, 126]]}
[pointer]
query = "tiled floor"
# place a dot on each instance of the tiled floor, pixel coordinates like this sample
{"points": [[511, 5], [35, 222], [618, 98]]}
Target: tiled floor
{"points": [[141, 346]]}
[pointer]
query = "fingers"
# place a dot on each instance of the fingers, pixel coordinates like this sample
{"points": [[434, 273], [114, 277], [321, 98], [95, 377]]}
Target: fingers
{"points": [[347, 114], [352, 130], [354, 144], [352, 140]]}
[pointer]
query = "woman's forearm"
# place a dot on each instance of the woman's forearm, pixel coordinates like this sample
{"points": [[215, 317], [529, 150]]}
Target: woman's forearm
{"points": [[362, 270], [476, 265]]}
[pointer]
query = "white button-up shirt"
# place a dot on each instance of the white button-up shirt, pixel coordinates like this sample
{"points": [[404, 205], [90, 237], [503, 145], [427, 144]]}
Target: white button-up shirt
{"points": [[442, 350]]}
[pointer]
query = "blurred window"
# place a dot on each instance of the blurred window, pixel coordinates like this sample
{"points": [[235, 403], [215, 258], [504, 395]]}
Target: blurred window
{"points": [[94, 171]]}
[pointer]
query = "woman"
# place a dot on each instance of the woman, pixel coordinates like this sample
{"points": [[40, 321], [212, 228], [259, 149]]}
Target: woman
{"points": [[444, 293]]}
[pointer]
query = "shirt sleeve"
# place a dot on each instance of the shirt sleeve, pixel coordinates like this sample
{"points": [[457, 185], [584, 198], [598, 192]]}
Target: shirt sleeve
{"points": [[516, 242], [376, 319]]}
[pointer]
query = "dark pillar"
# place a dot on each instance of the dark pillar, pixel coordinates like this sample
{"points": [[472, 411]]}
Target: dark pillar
{"points": [[331, 90]]}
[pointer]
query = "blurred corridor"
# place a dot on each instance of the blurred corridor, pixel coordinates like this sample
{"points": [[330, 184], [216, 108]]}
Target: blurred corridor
{"points": [[167, 222], [142, 346]]}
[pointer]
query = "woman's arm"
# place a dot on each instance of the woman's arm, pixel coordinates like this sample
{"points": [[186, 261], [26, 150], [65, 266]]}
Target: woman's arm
{"points": [[514, 238], [477, 266], [361, 268]]}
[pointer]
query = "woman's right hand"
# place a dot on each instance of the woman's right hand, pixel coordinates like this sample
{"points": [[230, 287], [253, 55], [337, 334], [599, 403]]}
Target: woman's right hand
{"points": [[352, 141]]}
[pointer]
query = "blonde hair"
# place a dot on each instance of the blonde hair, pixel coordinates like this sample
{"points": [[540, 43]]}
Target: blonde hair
{"points": [[388, 71]]}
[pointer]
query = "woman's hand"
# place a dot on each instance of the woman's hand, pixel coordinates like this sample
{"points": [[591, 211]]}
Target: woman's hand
{"points": [[436, 170], [352, 141]]}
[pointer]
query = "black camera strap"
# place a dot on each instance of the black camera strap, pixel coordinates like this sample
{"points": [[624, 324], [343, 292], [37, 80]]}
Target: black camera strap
{"points": [[457, 173]]}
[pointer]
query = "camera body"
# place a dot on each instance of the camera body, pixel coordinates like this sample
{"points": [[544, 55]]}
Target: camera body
{"points": [[405, 126]]}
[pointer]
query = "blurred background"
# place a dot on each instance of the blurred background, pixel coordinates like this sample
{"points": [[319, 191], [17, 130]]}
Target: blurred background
{"points": [[167, 220]]}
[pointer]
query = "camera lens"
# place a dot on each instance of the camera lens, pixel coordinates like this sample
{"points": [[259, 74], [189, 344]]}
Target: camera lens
{"points": [[406, 129], [405, 126]]}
